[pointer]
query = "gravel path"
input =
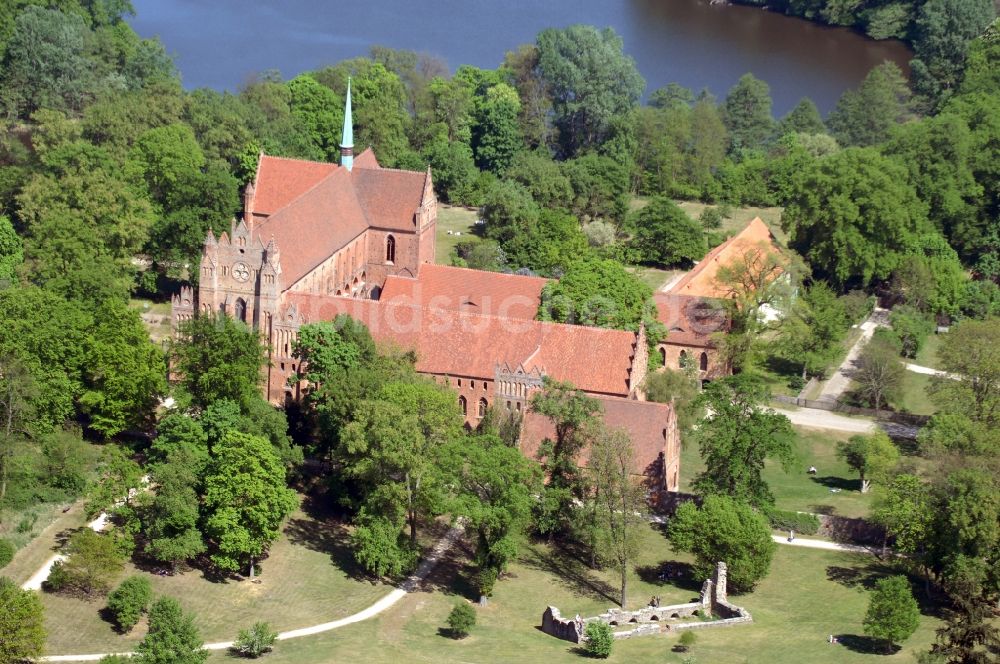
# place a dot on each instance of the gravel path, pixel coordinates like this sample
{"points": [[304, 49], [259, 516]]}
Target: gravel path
{"points": [[838, 382], [411, 583], [823, 544], [825, 419]]}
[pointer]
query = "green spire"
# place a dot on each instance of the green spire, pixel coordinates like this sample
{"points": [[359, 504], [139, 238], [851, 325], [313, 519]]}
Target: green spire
{"points": [[347, 142]]}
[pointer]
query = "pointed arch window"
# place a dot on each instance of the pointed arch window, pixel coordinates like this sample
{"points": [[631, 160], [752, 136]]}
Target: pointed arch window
{"points": [[390, 249], [482, 408], [703, 362], [663, 356], [240, 310], [682, 359], [464, 405]]}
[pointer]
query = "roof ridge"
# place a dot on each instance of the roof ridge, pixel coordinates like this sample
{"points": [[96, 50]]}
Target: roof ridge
{"points": [[453, 312], [457, 268], [396, 170], [301, 161], [712, 254]]}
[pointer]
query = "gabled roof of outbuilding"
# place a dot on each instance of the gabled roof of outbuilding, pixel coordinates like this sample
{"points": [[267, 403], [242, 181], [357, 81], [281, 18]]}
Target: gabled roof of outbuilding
{"points": [[701, 281]]}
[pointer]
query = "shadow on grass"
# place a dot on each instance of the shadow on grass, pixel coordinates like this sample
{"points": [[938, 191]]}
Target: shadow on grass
{"points": [[866, 644], [842, 483], [571, 571], [669, 573], [826, 510], [863, 576], [326, 536], [455, 573]]}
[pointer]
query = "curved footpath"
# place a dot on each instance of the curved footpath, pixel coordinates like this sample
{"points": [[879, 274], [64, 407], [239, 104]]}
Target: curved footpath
{"points": [[442, 546], [823, 544]]}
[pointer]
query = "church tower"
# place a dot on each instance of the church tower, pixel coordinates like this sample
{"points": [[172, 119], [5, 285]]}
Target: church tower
{"points": [[347, 142]]}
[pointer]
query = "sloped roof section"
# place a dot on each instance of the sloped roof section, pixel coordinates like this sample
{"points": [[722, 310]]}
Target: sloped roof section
{"points": [[645, 423], [390, 198], [314, 226], [281, 180], [701, 280], [455, 343], [366, 159], [690, 321], [470, 291]]}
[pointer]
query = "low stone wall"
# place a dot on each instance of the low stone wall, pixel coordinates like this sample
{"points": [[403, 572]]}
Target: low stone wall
{"points": [[555, 625], [713, 601]]}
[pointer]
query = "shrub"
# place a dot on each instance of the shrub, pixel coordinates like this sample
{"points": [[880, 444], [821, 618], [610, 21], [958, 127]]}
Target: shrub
{"points": [[857, 305], [129, 601], [256, 641], [461, 620], [710, 218], [93, 561], [807, 524], [6, 553], [26, 524], [599, 640], [912, 327], [687, 640]]}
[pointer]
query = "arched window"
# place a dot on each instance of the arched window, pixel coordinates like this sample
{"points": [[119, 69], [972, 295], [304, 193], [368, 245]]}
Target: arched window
{"points": [[482, 408], [682, 359], [464, 405], [663, 356], [703, 362], [390, 249], [240, 310]]}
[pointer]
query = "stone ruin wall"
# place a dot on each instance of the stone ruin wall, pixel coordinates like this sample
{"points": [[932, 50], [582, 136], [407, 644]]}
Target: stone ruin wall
{"points": [[648, 620]]}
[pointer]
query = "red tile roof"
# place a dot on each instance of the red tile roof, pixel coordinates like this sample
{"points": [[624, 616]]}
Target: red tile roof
{"points": [[690, 321], [313, 209], [454, 343], [281, 180], [643, 421], [389, 197], [314, 226], [472, 291], [366, 160], [701, 280]]}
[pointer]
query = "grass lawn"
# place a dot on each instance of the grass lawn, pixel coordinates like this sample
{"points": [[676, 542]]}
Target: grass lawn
{"points": [[42, 541], [797, 490], [927, 357], [653, 277], [307, 579], [456, 220], [913, 397], [808, 595], [155, 316]]}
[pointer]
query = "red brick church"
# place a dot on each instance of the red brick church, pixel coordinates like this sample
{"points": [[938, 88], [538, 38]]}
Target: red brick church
{"points": [[317, 240]]}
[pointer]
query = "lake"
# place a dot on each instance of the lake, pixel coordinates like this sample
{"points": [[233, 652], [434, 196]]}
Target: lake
{"points": [[221, 43]]}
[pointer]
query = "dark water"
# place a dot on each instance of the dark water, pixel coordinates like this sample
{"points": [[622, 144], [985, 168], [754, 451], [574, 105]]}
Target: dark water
{"points": [[220, 43]]}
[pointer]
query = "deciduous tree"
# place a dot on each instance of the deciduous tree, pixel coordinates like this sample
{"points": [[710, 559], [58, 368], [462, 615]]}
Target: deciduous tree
{"points": [[498, 486], [21, 623], [879, 371], [893, 614], [739, 435], [872, 457], [619, 499], [172, 637], [971, 354], [727, 530], [246, 500], [590, 81]]}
